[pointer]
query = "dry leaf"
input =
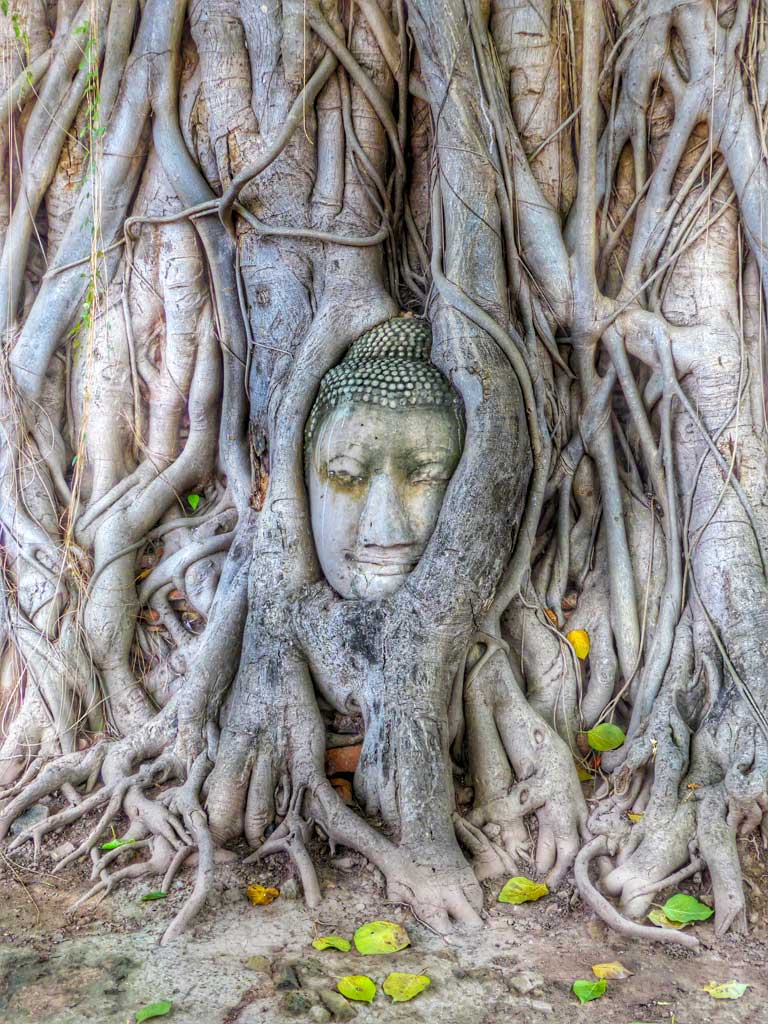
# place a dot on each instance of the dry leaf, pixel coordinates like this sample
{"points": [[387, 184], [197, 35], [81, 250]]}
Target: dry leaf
{"points": [[401, 988], [332, 942], [381, 937], [726, 989], [522, 890], [579, 641], [613, 971], [661, 920], [357, 986], [262, 896]]}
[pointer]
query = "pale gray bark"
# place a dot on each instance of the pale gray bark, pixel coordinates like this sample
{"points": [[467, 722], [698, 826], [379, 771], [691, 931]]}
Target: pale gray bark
{"points": [[203, 205]]}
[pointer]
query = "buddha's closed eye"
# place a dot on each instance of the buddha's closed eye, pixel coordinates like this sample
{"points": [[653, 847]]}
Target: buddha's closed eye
{"points": [[345, 479], [438, 471], [346, 471]]}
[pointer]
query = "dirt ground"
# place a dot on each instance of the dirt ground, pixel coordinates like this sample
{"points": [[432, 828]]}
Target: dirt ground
{"points": [[104, 964]]}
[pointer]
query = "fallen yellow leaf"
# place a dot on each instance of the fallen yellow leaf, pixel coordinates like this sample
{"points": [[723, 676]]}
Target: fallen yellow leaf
{"points": [[579, 641], [381, 937], [613, 971], [522, 890], [401, 988], [357, 986], [661, 920], [332, 942], [726, 989], [634, 817], [261, 896]]}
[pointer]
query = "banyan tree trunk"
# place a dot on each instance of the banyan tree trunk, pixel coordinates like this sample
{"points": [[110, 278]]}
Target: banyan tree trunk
{"points": [[204, 205]]}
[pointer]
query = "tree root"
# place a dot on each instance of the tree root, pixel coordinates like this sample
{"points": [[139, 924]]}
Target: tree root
{"points": [[519, 766], [292, 837], [598, 847]]}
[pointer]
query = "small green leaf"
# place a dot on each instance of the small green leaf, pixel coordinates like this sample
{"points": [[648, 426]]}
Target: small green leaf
{"points": [[522, 890], [115, 844], [726, 989], [332, 942], [357, 986], [686, 908], [585, 991], [381, 937], [605, 736], [403, 987], [156, 895], [153, 1010], [193, 500]]}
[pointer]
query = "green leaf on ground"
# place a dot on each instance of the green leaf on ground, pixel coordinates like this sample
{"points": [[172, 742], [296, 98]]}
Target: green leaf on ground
{"points": [[605, 736], [358, 987], [402, 987], [381, 937], [686, 908], [726, 989], [156, 895], [115, 844], [585, 991], [332, 942], [522, 890], [193, 500], [160, 1009]]}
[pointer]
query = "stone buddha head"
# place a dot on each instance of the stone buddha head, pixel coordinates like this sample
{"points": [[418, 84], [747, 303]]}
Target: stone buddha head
{"points": [[382, 441]]}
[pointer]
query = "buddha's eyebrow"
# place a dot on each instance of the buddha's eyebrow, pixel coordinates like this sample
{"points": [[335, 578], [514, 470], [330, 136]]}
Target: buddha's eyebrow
{"points": [[344, 456]]}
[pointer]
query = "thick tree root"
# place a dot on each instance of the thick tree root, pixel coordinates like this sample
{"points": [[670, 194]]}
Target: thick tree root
{"points": [[600, 846]]}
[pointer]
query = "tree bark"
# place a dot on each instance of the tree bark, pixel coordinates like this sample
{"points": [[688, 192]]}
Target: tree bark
{"points": [[203, 206]]}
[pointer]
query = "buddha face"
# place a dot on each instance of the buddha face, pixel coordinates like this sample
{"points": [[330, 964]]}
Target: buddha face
{"points": [[377, 477]]}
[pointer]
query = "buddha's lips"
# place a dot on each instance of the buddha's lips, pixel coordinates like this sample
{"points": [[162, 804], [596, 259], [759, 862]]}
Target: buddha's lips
{"points": [[383, 564], [387, 568]]}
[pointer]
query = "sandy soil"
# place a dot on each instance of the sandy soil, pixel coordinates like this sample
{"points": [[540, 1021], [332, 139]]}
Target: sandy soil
{"points": [[104, 964]]}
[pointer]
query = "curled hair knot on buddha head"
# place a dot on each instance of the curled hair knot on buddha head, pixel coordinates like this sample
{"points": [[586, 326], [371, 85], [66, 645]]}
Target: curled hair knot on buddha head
{"points": [[388, 366]]}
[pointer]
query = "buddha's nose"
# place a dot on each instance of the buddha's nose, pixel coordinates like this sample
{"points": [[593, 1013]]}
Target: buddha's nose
{"points": [[384, 521]]}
